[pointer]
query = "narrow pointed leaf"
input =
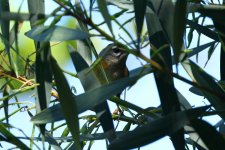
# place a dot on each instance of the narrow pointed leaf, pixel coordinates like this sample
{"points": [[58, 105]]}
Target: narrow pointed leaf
{"points": [[139, 9], [157, 129], [43, 72], [5, 29], [168, 96], [9, 137], [68, 104], [205, 130], [179, 24], [202, 29], [202, 78], [54, 33], [78, 61], [83, 102], [105, 13], [122, 4]]}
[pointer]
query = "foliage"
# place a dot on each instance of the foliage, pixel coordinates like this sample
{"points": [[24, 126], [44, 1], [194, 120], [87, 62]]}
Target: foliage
{"points": [[160, 28]]}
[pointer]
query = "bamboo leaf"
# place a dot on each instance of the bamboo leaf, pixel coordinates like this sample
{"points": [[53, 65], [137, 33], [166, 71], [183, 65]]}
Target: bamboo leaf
{"points": [[83, 102], [202, 78], [105, 13], [54, 33], [205, 130], [5, 28], [78, 61], [68, 105], [179, 24], [155, 130], [139, 9], [43, 72], [204, 30], [9, 137]]}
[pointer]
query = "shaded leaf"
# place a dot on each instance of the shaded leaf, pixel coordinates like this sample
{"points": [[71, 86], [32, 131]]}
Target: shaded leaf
{"points": [[168, 96], [122, 4], [216, 12], [139, 9], [54, 33], [179, 24], [43, 75], [5, 27], [155, 130], [78, 61], [196, 91], [84, 47], [68, 105], [104, 11], [43, 72], [83, 102], [205, 130], [6, 92], [183, 101], [9, 137], [202, 29], [217, 94], [200, 48]]}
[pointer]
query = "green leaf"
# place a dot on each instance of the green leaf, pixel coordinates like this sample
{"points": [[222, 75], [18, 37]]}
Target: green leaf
{"points": [[179, 24], [52, 141], [139, 9], [216, 95], [200, 48], [202, 29], [105, 13], [183, 101], [5, 26], [54, 33], [168, 96], [157, 129], [68, 105], [20, 16], [84, 47], [196, 91], [43, 70], [85, 101], [43, 75], [6, 102], [9, 137], [78, 61], [205, 130], [35, 8], [122, 4], [216, 12]]}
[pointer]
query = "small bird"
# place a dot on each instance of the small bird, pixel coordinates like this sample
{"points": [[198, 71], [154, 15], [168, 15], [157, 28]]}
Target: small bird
{"points": [[114, 62], [111, 67]]}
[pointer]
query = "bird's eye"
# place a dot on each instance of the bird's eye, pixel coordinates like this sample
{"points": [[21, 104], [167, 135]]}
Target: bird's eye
{"points": [[116, 51]]}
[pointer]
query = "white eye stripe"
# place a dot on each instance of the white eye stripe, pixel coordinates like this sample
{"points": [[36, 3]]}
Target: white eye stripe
{"points": [[116, 51], [117, 54]]}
